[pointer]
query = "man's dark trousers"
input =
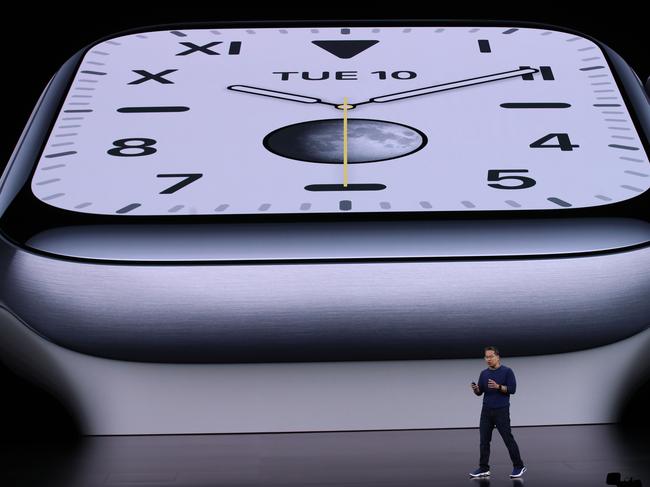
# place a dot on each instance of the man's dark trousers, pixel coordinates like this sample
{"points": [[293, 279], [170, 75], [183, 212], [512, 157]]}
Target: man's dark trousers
{"points": [[499, 417]]}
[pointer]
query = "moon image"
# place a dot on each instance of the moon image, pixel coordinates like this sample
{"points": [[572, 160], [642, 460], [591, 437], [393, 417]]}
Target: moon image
{"points": [[322, 141]]}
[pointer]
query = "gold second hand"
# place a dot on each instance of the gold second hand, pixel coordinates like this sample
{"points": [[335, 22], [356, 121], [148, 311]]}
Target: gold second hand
{"points": [[345, 142]]}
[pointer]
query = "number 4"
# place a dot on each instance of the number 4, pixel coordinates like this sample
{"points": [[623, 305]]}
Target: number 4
{"points": [[564, 143]]}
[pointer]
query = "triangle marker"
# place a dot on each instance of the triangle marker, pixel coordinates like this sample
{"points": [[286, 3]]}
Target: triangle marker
{"points": [[345, 49]]}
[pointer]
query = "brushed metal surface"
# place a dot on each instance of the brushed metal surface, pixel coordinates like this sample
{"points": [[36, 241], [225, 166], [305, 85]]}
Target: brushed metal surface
{"points": [[330, 312], [114, 397]]}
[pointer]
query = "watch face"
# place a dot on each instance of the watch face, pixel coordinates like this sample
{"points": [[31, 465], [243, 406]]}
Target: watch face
{"points": [[329, 120]]}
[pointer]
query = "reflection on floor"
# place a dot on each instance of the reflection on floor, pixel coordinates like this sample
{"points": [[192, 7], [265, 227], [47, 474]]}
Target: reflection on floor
{"points": [[555, 456]]}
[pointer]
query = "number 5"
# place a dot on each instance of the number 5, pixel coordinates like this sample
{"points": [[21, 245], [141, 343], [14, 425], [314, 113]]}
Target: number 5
{"points": [[495, 175]]}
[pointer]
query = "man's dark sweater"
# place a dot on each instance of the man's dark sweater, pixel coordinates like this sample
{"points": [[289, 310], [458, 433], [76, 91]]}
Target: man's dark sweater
{"points": [[493, 398]]}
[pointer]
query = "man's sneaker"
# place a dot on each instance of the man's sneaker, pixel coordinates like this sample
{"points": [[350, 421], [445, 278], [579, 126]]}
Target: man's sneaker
{"points": [[517, 472], [479, 472]]}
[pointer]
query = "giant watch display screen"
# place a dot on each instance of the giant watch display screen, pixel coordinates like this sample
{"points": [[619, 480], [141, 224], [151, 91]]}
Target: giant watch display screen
{"points": [[325, 120]]}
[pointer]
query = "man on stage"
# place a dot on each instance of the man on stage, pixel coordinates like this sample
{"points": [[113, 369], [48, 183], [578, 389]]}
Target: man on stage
{"points": [[496, 383]]}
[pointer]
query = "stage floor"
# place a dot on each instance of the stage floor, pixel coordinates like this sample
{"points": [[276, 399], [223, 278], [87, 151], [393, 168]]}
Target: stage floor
{"points": [[554, 456]]}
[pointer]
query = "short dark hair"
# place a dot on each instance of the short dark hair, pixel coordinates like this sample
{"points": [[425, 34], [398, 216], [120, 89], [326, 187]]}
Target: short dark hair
{"points": [[494, 349]]}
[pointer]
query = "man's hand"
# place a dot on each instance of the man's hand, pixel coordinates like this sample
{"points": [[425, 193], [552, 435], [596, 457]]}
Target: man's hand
{"points": [[492, 384]]}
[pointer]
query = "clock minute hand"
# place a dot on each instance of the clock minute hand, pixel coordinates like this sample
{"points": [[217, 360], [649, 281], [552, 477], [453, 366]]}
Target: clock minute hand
{"points": [[277, 94], [451, 85]]}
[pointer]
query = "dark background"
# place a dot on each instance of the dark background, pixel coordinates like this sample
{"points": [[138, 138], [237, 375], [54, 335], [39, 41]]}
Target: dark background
{"points": [[38, 40]]}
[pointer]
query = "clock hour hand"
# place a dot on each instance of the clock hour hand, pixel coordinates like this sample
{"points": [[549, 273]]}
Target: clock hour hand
{"points": [[281, 95], [451, 85]]}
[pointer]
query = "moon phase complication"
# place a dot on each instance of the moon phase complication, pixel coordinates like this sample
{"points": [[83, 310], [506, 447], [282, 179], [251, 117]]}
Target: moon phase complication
{"points": [[321, 141]]}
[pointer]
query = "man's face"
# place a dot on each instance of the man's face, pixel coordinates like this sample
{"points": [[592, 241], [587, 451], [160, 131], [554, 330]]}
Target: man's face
{"points": [[491, 358]]}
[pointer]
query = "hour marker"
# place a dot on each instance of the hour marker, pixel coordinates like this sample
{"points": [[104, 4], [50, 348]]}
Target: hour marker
{"points": [[603, 197], [634, 173], [152, 109], [438, 31], [406, 31], [235, 48], [345, 49], [177, 33], [484, 45], [305, 206], [176, 208], [345, 31], [60, 154], [426, 205], [65, 135], [590, 59], [316, 31], [615, 120], [147, 76], [60, 144], [100, 53], [545, 71], [619, 128], [68, 126], [587, 48], [195, 48], [468, 204], [77, 111], [623, 137], [221, 207], [535, 105], [607, 105], [284, 31], [591, 68], [264, 207], [349, 187], [474, 30], [128, 208], [546, 33], [510, 31], [597, 76], [624, 147], [141, 36], [113, 43], [216, 32], [559, 202], [512, 203], [573, 39], [384, 205], [95, 63], [98, 73], [83, 205], [345, 205]]}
